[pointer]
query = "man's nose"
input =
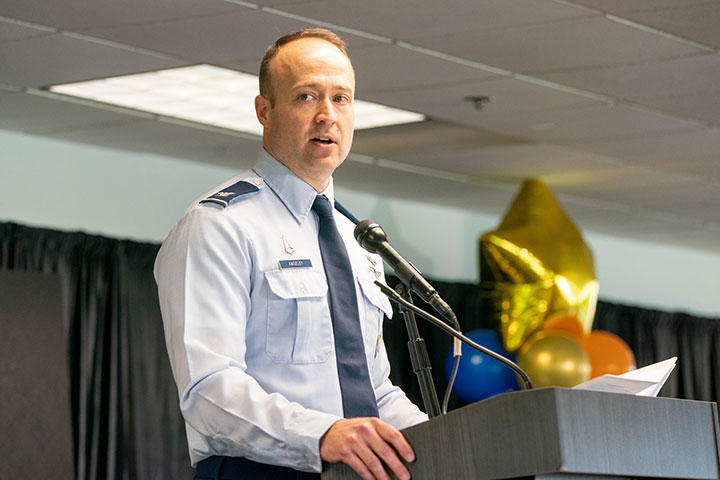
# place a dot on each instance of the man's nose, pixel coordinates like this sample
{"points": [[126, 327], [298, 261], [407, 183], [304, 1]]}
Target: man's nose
{"points": [[326, 112]]}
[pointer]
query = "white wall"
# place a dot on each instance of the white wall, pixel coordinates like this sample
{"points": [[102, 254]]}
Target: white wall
{"points": [[68, 186]]}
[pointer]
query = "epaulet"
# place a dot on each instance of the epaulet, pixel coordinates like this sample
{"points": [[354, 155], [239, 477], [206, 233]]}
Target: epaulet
{"points": [[228, 194]]}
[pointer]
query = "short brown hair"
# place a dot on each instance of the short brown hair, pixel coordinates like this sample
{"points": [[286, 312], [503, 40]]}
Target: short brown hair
{"points": [[271, 51]]}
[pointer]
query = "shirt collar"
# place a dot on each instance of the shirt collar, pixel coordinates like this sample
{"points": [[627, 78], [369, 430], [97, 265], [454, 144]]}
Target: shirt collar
{"points": [[297, 195]]}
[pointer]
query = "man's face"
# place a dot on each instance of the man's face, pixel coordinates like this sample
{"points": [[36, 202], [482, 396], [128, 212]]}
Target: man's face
{"points": [[309, 126]]}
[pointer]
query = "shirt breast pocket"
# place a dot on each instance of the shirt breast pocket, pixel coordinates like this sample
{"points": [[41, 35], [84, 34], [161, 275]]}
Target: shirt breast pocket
{"points": [[299, 329], [376, 306]]}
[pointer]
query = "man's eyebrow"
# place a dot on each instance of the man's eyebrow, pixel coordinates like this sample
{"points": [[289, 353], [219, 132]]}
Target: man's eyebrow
{"points": [[319, 85]]}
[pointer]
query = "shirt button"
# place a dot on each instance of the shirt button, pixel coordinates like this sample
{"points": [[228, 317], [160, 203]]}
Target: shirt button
{"points": [[301, 285], [257, 181]]}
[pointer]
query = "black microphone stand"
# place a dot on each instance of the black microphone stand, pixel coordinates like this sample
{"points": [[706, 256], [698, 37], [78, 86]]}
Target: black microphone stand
{"points": [[418, 355], [400, 301]]}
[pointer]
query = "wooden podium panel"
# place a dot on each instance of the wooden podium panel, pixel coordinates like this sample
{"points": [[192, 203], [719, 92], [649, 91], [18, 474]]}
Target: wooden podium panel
{"points": [[556, 432]]}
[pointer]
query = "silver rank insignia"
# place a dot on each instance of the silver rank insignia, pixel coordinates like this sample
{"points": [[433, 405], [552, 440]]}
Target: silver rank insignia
{"points": [[288, 248], [375, 272], [371, 260]]}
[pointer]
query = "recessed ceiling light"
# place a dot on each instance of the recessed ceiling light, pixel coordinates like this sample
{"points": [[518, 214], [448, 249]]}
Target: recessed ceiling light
{"points": [[210, 95]]}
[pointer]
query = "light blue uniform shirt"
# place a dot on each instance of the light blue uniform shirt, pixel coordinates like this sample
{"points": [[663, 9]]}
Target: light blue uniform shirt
{"points": [[247, 324]]}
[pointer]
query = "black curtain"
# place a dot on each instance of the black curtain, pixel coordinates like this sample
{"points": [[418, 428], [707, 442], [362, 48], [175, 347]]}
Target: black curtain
{"points": [[126, 420]]}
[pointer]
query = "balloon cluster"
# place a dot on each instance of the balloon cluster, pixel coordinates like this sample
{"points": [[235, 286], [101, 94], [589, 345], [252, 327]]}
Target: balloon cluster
{"points": [[562, 354], [539, 277]]}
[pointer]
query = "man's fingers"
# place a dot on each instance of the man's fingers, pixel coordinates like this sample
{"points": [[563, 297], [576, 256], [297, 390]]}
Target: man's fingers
{"points": [[358, 465], [364, 444], [371, 445], [373, 463], [393, 436], [382, 442]]}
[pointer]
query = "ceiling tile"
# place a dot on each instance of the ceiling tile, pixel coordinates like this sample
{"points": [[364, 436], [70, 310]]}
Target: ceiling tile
{"points": [[705, 167], [478, 153], [10, 31], [680, 76], [507, 96], [620, 6], [390, 67], [587, 42], [695, 22], [223, 39], [33, 114], [682, 197], [207, 39], [580, 124], [554, 165], [704, 107], [409, 20], [177, 141], [699, 204], [69, 15], [624, 185], [400, 183], [275, 3], [406, 141], [61, 59], [670, 146], [641, 225]]}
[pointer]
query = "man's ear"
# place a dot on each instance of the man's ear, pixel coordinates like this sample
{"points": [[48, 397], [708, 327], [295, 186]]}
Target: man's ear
{"points": [[262, 110]]}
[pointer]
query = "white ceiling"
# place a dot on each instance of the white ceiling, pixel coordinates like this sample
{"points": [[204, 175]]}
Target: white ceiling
{"points": [[615, 104]]}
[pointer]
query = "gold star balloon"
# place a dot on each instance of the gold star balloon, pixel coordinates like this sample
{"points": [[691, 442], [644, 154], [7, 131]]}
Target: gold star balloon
{"points": [[536, 266]]}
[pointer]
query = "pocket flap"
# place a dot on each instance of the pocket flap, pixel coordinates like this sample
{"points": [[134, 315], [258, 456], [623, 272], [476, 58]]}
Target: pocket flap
{"points": [[375, 296], [297, 283]]}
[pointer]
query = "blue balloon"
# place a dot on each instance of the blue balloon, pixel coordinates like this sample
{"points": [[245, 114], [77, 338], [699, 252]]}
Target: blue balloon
{"points": [[480, 376]]}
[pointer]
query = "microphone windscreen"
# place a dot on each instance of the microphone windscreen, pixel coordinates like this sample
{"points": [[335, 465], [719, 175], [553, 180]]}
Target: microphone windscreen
{"points": [[369, 235]]}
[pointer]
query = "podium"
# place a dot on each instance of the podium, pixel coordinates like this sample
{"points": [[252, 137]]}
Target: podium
{"points": [[563, 434]]}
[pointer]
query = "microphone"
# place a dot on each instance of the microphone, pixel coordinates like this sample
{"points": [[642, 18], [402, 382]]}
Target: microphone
{"points": [[372, 238]]}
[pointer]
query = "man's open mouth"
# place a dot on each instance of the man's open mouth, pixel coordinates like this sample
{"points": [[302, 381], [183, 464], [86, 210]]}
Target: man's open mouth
{"points": [[324, 140]]}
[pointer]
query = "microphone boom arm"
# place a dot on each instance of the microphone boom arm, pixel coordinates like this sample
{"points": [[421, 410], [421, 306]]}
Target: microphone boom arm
{"points": [[392, 295]]}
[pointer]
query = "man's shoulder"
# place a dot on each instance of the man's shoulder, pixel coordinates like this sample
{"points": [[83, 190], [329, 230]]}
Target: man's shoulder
{"points": [[230, 206], [226, 195], [240, 188]]}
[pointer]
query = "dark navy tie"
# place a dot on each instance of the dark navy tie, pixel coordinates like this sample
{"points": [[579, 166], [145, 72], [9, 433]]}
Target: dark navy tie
{"points": [[358, 396]]}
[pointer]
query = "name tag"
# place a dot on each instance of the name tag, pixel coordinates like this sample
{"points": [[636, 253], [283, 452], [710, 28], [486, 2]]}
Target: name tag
{"points": [[300, 263]]}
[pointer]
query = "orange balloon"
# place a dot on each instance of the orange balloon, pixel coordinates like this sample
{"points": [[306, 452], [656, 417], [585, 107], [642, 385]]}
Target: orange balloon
{"points": [[567, 324], [608, 353]]}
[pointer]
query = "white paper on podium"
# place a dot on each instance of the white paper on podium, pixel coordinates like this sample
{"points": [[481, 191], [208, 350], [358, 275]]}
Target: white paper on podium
{"points": [[646, 381]]}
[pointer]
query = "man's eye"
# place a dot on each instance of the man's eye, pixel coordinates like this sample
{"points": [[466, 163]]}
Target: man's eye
{"points": [[341, 99], [304, 97]]}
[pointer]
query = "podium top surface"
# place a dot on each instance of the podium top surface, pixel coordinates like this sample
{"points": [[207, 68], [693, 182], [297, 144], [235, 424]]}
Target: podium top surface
{"points": [[561, 431]]}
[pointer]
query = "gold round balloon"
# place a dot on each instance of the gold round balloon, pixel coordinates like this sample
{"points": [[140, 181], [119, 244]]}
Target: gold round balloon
{"points": [[554, 359], [536, 265]]}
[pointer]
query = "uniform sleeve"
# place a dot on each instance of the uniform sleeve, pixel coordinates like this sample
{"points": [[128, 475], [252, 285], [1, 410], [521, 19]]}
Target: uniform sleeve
{"points": [[204, 276]]}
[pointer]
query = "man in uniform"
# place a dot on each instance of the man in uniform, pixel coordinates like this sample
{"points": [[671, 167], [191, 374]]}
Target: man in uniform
{"points": [[272, 321]]}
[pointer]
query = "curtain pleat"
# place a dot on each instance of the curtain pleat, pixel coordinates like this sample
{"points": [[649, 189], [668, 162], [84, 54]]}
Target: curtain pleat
{"points": [[126, 419]]}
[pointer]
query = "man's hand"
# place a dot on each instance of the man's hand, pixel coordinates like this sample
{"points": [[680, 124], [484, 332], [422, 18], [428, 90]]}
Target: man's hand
{"points": [[362, 443]]}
